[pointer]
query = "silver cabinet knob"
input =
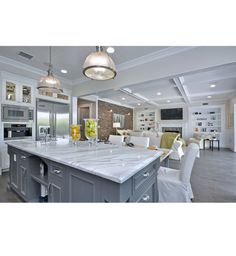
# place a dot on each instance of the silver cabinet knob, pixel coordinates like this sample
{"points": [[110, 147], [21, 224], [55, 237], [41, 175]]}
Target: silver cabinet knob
{"points": [[146, 198], [146, 174], [23, 157], [57, 171]]}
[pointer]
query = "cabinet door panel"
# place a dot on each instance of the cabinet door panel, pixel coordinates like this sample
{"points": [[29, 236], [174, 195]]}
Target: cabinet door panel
{"points": [[55, 193], [148, 196], [14, 179], [23, 180], [81, 189]]}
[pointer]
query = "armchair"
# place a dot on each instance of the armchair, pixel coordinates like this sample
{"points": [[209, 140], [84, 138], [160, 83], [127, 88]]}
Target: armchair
{"points": [[156, 138]]}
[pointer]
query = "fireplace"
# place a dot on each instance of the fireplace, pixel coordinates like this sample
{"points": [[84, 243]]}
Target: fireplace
{"points": [[173, 129]]}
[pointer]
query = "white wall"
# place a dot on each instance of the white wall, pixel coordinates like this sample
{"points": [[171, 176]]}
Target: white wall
{"points": [[183, 123], [186, 123]]}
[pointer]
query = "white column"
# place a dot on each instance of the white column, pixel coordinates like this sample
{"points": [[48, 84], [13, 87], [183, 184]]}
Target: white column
{"points": [[74, 110]]}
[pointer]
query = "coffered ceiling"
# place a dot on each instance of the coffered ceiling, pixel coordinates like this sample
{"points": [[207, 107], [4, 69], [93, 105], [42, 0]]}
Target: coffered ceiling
{"points": [[195, 88], [147, 75]]}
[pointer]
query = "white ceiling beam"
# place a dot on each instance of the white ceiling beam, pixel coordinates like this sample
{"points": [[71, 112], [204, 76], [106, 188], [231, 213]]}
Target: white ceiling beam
{"points": [[178, 83], [139, 97], [186, 62], [208, 80], [166, 98], [157, 55], [115, 102], [202, 94]]}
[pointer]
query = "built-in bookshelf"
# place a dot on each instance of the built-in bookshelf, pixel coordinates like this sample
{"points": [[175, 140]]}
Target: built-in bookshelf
{"points": [[145, 120], [207, 120]]}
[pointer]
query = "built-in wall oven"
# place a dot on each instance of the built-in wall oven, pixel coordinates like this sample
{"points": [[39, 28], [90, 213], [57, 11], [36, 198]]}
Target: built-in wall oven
{"points": [[14, 113], [17, 131]]}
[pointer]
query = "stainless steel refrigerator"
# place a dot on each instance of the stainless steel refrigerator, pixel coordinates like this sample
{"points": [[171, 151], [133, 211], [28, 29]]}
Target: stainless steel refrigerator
{"points": [[52, 118]]}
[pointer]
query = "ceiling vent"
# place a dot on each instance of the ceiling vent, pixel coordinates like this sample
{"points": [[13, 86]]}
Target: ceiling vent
{"points": [[205, 103], [25, 55]]}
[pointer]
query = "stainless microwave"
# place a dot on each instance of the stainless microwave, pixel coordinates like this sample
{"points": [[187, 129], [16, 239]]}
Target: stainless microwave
{"points": [[16, 113]]}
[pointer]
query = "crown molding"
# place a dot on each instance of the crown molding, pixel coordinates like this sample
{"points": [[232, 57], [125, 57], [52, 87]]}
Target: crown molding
{"points": [[171, 50], [25, 67], [167, 52]]}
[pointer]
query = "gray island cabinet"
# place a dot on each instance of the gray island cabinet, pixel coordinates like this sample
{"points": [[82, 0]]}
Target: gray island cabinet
{"points": [[67, 181]]}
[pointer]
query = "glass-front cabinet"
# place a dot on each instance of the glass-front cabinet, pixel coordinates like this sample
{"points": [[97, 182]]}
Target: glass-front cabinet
{"points": [[26, 93], [16, 92], [10, 89]]}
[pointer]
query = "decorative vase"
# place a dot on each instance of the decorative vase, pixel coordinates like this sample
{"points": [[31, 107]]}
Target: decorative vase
{"points": [[75, 133], [91, 130]]}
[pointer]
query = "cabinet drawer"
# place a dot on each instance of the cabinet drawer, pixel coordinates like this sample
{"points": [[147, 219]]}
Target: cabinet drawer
{"points": [[57, 171], [144, 176], [23, 158], [148, 196]]}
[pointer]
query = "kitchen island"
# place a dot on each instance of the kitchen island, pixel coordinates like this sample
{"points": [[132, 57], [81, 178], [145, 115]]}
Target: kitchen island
{"points": [[83, 173]]}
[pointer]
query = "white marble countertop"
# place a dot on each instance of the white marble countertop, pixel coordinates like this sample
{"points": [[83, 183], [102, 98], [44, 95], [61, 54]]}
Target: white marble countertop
{"points": [[116, 163]]}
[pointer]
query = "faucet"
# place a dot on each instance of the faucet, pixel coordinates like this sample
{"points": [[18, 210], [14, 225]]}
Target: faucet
{"points": [[45, 134]]}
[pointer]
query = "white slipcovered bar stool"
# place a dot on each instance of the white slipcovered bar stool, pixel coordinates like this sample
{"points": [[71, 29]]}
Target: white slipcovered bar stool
{"points": [[140, 141], [116, 139], [174, 185]]}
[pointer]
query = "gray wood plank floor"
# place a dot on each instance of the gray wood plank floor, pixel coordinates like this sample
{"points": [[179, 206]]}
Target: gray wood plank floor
{"points": [[213, 178]]}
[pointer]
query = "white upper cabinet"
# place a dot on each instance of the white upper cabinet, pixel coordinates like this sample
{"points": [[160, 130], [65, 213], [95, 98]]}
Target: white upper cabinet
{"points": [[14, 92]]}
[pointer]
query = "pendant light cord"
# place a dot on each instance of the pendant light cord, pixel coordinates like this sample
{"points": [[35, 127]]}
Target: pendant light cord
{"points": [[50, 55], [50, 61]]}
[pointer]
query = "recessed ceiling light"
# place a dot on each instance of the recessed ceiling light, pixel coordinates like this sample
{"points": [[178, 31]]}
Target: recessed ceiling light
{"points": [[158, 93], [110, 50], [212, 85], [139, 104], [168, 101], [123, 98], [209, 96], [64, 71]]}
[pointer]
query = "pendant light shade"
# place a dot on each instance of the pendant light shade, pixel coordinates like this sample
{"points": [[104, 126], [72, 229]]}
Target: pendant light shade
{"points": [[49, 83], [99, 66]]}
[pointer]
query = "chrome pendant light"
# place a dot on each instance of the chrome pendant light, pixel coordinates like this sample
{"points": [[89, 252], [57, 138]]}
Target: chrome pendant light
{"points": [[49, 83], [99, 65]]}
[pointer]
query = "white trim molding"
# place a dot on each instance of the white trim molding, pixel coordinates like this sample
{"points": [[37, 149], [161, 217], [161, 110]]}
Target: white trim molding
{"points": [[25, 67]]}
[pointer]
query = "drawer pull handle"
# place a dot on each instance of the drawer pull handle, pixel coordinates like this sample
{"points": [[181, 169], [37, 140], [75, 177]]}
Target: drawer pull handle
{"points": [[146, 198], [23, 157], [57, 171], [146, 174], [49, 188]]}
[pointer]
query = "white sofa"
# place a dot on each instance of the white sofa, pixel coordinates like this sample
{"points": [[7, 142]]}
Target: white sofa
{"points": [[155, 139]]}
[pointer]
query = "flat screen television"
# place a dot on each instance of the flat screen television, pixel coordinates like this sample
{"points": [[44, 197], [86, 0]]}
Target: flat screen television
{"points": [[172, 114]]}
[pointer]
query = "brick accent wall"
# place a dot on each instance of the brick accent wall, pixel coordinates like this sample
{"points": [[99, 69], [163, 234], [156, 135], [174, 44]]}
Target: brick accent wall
{"points": [[105, 117]]}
